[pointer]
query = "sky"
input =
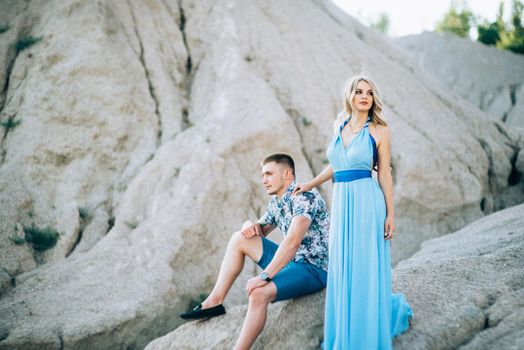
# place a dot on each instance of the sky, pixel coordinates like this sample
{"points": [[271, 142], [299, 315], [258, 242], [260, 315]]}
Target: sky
{"points": [[412, 16]]}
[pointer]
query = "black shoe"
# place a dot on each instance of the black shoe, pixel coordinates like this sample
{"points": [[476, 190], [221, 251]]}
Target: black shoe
{"points": [[198, 313]]}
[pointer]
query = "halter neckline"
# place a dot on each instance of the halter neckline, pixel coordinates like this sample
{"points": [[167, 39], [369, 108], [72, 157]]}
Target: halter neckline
{"points": [[347, 121], [373, 142]]}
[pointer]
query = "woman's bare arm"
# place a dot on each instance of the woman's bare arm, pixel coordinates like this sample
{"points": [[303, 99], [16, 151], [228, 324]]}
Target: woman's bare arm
{"points": [[327, 173], [385, 179], [324, 176]]}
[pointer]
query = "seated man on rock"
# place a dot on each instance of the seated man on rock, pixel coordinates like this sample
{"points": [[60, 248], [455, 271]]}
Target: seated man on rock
{"points": [[295, 267]]}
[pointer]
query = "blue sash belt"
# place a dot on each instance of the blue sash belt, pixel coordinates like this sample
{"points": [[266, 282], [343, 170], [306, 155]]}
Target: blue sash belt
{"points": [[350, 175]]}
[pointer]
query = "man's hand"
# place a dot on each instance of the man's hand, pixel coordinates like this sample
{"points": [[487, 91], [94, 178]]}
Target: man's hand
{"points": [[251, 229], [254, 283]]}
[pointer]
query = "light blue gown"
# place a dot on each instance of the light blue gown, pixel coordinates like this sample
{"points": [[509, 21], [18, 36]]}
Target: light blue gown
{"points": [[360, 312]]}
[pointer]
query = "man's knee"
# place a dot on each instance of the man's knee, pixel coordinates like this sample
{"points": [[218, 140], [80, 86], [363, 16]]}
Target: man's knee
{"points": [[263, 295], [251, 247], [237, 238]]}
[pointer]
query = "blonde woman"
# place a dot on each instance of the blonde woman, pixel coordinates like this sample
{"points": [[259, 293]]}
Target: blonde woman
{"points": [[361, 312]]}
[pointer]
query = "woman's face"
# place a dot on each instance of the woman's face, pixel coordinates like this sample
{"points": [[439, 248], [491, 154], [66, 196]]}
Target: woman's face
{"points": [[363, 99]]}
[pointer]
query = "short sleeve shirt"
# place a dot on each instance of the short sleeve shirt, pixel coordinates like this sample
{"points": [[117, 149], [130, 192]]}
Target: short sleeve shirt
{"points": [[280, 211]]}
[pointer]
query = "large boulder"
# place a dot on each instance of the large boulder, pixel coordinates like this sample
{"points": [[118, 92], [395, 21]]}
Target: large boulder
{"points": [[79, 87], [290, 324], [466, 290], [490, 78], [142, 125]]}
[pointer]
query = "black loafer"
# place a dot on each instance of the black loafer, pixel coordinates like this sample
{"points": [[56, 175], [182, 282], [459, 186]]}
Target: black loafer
{"points": [[198, 313]]}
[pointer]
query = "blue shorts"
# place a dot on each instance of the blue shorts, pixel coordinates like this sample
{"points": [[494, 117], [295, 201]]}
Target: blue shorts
{"points": [[296, 278]]}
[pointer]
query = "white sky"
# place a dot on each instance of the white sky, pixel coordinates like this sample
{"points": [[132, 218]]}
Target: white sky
{"points": [[412, 16]]}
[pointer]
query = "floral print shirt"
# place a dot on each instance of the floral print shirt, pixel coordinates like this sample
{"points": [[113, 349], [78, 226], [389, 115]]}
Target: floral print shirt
{"points": [[280, 211]]}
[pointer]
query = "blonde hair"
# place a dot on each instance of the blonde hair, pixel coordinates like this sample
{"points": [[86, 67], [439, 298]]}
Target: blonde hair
{"points": [[349, 93]]}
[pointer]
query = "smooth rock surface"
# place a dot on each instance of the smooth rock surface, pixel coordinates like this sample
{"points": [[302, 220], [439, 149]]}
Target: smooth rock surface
{"points": [[464, 287], [466, 290], [490, 78], [290, 324]]}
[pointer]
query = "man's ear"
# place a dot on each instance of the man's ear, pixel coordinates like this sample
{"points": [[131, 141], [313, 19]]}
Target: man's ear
{"points": [[289, 173]]}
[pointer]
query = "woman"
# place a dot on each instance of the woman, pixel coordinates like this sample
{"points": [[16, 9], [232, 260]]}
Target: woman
{"points": [[361, 312]]}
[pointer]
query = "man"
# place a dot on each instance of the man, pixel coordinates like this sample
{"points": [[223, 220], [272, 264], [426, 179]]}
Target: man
{"points": [[295, 267]]}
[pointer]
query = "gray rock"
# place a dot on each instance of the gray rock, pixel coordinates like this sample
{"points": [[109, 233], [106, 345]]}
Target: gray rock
{"points": [[519, 163], [466, 290], [516, 115], [87, 119], [5, 281], [291, 324], [502, 331], [155, 114], [490, 78]]}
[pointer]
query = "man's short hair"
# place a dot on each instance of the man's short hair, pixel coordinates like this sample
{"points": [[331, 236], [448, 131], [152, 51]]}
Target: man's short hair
{"points": [[280, 158]]}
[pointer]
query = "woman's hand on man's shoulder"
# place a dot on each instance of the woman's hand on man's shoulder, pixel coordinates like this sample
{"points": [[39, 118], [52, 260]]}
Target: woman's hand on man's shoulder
{"points": [[301, 188]]}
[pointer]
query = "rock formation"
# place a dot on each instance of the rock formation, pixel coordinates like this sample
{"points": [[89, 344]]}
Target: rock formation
{"points": [[466, 290], [490, 78], [291, 324], [134, 130]]}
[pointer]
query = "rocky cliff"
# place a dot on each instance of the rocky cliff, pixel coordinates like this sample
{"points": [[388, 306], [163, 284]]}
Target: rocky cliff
{"points": [[132, 133], [466, 290], [490, 78]]}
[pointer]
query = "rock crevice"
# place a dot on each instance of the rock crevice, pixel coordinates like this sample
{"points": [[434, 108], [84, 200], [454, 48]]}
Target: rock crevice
{"points": [[147, 74]]}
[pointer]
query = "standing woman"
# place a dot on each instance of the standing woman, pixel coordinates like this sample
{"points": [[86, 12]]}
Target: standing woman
{"points": [[361, 312]]}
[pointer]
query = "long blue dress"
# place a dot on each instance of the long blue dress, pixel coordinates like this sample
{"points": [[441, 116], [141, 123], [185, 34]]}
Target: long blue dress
{"points": [[360, 312]]}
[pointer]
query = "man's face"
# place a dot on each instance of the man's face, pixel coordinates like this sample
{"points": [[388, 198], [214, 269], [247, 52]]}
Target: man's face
{"points": [[274, 177]]}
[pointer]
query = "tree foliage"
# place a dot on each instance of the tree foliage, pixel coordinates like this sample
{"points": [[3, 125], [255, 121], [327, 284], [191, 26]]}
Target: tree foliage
{"points": [[489, 33], [382, 23], [513, 38], [458, 20], [505, 35]]}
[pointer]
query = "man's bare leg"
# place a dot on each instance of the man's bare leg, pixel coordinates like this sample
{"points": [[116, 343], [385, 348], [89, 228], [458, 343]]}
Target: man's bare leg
{"points": [[256, 315], [232, 264]]}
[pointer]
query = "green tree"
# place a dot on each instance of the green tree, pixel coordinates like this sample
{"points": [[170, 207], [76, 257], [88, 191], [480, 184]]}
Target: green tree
{"points": [[458, 20], [509, 36], [382, 23], [505, 35], [490, 33], [513, 39]]}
